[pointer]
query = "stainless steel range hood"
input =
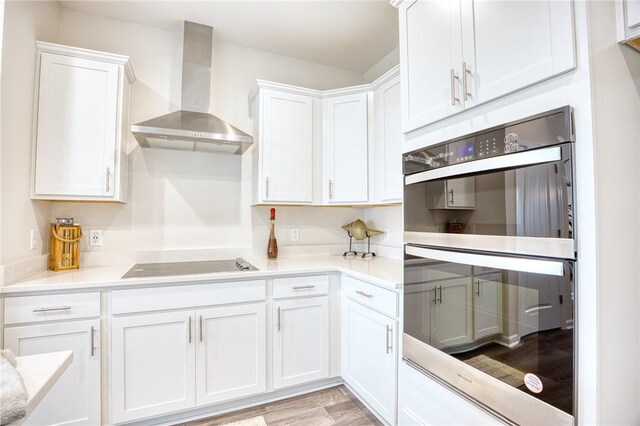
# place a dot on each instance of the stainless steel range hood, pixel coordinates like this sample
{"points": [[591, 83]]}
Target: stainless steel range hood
{"points": [[193, 128]]}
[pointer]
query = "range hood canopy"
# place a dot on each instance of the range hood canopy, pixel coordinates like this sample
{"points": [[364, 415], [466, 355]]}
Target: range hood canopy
{"points": [[193, 128]]}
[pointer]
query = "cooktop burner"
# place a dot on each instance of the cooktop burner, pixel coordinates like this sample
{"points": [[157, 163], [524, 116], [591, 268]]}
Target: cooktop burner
{"points": [[188, 268]]}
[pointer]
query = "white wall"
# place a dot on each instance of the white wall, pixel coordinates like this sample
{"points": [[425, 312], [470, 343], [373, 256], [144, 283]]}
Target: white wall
{"points": [[24, 23], [615, 73], [184, 200], [383, 65]]}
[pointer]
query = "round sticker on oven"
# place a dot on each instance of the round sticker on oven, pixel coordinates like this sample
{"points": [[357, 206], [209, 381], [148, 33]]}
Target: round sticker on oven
{"points": [[533, 383]]}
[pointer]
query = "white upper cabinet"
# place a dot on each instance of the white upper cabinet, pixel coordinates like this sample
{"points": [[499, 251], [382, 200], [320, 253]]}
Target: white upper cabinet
{"points": [[283, 162], [345, 149], [628, 17], [461, 53], [511, 45], [387, 142], [431, 55], [81, 122]]}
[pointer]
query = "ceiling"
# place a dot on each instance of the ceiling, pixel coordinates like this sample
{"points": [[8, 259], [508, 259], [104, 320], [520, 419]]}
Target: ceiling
{"points": [[353, 35]]}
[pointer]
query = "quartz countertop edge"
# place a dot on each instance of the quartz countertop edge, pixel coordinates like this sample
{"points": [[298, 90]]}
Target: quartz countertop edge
{"points": [[380, 271], [39, 373]]}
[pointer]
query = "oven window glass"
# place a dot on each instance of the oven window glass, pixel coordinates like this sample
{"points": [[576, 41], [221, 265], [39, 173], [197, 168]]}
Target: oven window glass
{"points": [[507, 324], [533, 201]]}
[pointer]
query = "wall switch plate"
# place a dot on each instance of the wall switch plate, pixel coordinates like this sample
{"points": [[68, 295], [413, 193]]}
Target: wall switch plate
{"points": [[386, 234], [35, 237], [95, 237], [295, 234]]}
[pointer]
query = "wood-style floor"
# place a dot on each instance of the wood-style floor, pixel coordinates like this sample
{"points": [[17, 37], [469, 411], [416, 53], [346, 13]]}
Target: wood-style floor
{"points": [[333, 406]]}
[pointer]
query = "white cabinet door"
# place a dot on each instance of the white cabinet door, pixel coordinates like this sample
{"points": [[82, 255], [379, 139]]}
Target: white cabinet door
{"points": [[231, 354], [632, 14], [487, 305], [345, 149], [511, 45], [153, 364], [369, 356], [431, 58], [75, 397], [453, 313], [456, 194], [76, 127], [387, 140], [419, 298], [300, 341], [461, 193], [286, 137]]}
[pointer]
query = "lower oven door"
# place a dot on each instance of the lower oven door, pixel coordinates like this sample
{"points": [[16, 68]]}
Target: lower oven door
{"points": [[500, 329]]}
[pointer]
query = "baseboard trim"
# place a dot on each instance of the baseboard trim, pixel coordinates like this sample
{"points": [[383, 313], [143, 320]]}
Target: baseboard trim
{"points": [[194, 414]]}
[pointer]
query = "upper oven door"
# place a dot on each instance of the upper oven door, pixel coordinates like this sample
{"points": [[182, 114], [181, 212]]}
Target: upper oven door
{"points": [[516, 196]]}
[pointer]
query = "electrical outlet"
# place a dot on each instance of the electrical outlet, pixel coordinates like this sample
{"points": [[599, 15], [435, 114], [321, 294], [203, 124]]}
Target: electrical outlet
{"points": [[295, 234], [95, 237], [35, 238], [386, 234]]}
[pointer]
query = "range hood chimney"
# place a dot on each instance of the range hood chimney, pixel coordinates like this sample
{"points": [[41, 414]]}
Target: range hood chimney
{"points": [[193, 128]]}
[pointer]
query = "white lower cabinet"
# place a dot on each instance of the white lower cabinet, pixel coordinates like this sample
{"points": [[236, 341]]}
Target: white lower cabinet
{"points": [[300, 341], [423, 401], [75, 397], [369, 356], [153, 364], [452, 314], [231, 353], [487, 305], [172, 361]]}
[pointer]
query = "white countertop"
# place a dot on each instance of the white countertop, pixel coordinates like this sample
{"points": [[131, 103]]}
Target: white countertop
{"points": [[380, 271], [39, 373]]}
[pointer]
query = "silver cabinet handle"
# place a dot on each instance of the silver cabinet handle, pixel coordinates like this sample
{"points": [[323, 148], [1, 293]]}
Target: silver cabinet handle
{"points": [[440, 298], [108, 179], [93, 341], [389, 339], [451, 199], [465, 85], [201, 328], [53, 308], [367, 295], [330, 189], [478, 291], [435, 295], [189, 329], [278, 322], [453, 77], [303, 287], [266, 187]]}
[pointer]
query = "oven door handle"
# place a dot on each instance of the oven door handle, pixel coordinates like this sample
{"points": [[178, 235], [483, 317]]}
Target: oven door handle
{"points": [[536, 266], [524, 158]]}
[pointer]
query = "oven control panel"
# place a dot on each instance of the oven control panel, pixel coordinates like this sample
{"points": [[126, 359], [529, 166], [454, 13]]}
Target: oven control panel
{"points": [[543, 130]]}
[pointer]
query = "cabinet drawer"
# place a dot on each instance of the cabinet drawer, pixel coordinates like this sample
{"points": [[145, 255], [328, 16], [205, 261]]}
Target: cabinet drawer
{"points": [[51, 307], [382, 300], [186, 296], [300, 286]]}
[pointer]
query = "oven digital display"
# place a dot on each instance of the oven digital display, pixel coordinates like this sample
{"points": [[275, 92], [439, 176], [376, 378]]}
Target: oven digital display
{"points": [[461, 151]]}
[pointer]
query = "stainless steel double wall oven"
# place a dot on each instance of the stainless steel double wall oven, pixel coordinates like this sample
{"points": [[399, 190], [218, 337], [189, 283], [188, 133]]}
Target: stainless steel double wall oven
{"points": [[490, 250]]}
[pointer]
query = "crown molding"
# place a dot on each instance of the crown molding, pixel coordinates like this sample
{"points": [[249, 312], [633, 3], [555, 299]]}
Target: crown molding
{"points": [[281, 87], [77, 52]]}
